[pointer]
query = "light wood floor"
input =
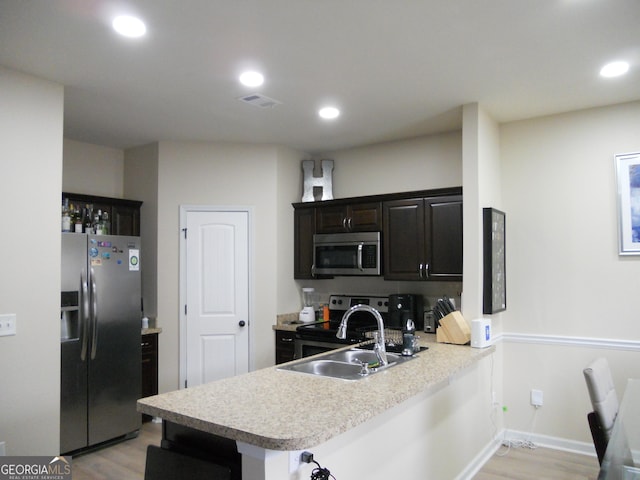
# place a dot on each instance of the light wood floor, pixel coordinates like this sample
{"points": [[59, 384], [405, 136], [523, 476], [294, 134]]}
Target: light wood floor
{"points": [[122, 461], [125, 461], [538, 464]]}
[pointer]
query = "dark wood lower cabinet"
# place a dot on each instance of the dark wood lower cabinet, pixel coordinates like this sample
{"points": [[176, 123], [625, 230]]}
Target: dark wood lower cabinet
{"points": [[285, 351], [149, 346]]}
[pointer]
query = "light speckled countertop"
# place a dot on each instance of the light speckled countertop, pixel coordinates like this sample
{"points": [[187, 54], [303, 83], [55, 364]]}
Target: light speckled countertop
{"points": [[284, 410], [287, 322], [151, 330]]}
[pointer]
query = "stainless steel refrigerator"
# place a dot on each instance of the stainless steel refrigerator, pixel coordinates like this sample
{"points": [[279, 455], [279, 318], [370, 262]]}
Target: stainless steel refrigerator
{"points": [[100, 335]]}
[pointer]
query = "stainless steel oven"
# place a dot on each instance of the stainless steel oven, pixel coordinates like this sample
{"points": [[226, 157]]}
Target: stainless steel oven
{"points": [[320, 337]]}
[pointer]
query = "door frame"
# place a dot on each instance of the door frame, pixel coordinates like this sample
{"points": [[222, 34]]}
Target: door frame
{"points": [[182, 295]]}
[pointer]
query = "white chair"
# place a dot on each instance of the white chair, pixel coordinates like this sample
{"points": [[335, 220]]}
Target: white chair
{"points": [[604, 401]]}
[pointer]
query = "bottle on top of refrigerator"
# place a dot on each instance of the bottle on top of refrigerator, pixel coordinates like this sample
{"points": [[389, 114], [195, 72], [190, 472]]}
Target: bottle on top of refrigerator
{"points": [[87, 224], [77, 221], [97, 223], [106, 227], [66, 218]]}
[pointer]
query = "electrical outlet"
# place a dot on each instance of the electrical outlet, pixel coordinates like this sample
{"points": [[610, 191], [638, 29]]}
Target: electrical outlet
{"points": [[7, 324], [294, 460], [494, 399], [536, 398], [3, 449]]}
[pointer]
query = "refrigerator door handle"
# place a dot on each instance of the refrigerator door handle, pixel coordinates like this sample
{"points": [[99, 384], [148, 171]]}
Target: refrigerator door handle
{"points": [[84, 314], [94, 316]]}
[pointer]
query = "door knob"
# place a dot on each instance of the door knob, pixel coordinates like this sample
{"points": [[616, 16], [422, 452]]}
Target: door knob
{"points": [[242, 323]]}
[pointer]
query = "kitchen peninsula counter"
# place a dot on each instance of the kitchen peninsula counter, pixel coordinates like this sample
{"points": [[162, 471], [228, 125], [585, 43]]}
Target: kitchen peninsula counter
{"points": [[283, 410]]}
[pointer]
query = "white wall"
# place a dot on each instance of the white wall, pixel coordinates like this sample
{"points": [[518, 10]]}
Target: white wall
{"points": [[288, 191], [141, 183], [219, 174], [30, 199], [564, 275], [422, 163], [92, 169], [481, 182]]}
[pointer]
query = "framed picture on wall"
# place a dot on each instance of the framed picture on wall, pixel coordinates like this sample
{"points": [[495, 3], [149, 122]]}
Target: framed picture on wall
{"points": [[494, 279], [628, 178]]}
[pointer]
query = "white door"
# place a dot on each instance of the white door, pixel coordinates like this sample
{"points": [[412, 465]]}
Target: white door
{"points": [[215, 317]]}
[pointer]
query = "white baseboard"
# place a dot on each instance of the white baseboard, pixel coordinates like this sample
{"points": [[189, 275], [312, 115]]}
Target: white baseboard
{"points": [[515, 436], [556, 443]]}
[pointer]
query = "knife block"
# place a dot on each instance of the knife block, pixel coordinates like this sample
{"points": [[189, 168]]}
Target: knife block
{"points": [[453, 329]]}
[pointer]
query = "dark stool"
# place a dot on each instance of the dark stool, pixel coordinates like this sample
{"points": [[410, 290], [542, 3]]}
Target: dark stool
{"points": [[164, 464]]}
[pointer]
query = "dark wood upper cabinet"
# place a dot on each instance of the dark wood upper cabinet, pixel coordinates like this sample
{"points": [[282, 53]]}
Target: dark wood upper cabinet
{"points": [[357, 217], [304, 225], [423, 238], [403, 239], [422, 231], [126, 220], [124, 215], [444, 234]]}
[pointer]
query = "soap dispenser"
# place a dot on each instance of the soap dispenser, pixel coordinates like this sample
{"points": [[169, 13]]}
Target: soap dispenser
{"points": [[408, 336]]}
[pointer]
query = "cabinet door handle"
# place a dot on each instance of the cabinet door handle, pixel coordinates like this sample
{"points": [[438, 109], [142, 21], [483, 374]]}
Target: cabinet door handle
{"points": [[420, 271], [242, 323], [344, 223], [426, 270], [286, 339], [350, 223]]}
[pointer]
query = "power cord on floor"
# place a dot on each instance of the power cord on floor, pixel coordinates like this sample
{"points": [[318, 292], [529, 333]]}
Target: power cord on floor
{"points": [[526, 443], [516, 444]]}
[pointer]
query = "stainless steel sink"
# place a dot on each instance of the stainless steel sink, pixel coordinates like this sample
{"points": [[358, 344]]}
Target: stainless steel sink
{"points": [[327, 368], [358, 356], [352, 364]]}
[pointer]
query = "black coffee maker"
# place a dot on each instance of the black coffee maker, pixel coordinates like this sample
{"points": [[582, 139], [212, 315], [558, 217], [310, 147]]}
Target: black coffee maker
{"points": [[404, 306]]}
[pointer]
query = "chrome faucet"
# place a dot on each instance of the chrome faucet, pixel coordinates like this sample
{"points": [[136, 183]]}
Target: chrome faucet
{"points": [[379, 345]]}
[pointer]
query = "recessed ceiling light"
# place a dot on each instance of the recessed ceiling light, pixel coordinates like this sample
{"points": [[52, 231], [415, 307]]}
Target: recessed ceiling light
{"points": [[252, 79], [614, 69], [129, 26], [329, 113]]}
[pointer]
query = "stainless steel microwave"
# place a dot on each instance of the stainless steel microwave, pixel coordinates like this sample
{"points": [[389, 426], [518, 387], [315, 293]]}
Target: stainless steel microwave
{"points": [[347, 254]]}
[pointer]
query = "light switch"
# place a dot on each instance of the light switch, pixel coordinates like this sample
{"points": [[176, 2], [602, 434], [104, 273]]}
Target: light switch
{"points": [[7, 324]]}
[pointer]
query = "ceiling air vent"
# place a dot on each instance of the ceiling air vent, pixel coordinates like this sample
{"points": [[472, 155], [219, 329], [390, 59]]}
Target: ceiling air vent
{"points": [[259, 100]]}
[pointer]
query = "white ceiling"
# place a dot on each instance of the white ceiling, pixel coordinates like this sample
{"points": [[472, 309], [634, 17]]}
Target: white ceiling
{"points": [[396, 68]]}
